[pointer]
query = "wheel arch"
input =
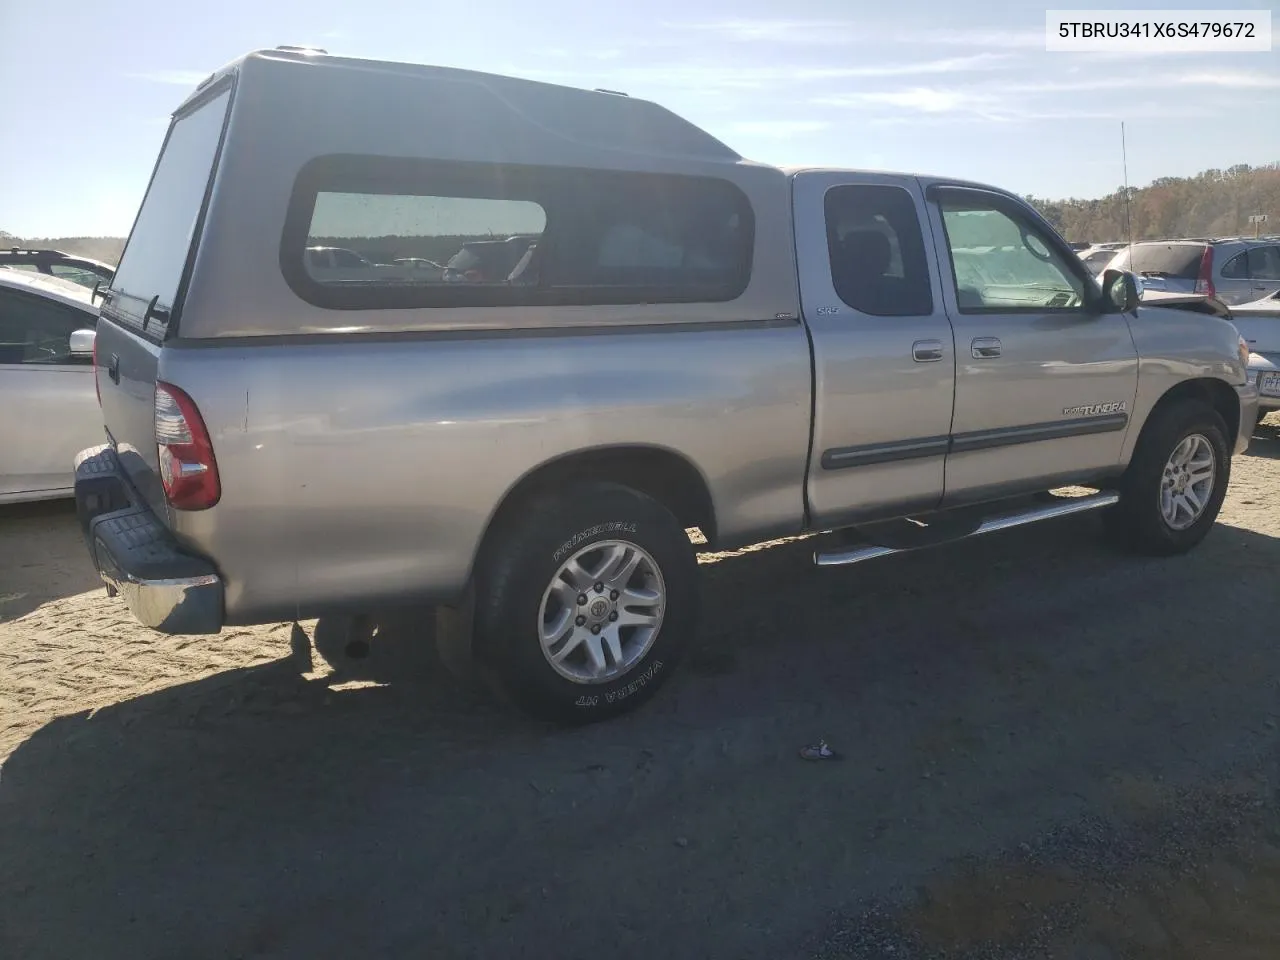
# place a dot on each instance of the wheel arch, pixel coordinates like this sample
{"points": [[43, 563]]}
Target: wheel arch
{"points": [[658, 472], [1216, 393]]}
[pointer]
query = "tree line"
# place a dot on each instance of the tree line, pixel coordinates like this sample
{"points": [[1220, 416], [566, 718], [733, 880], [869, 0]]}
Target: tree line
{"points": [[1213, 203]]}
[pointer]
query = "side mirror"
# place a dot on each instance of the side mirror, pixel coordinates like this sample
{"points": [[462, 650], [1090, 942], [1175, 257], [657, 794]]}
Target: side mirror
{"points": [[1120, 291], [81, 344]]}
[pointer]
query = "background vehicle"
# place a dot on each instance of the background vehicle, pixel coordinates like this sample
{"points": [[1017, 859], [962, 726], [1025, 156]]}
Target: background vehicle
{"points": [[1097, 258], [1259, 323], [892, 360], [1234, 271], [419, 268], [486, 261], [48, 407], [55, 263], [338, 263]]}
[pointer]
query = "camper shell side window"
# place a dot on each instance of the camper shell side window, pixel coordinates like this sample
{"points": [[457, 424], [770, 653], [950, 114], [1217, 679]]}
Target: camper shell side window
{"points": [[512, 235]]}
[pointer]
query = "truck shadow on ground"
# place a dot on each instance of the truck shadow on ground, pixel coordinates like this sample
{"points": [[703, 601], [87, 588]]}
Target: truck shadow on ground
{"points": [[1266, 439], [981, 693], [44, 556]]}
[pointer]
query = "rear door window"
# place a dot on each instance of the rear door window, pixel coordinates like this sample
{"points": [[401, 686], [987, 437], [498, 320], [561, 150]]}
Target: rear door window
{"points": [[876, 249], [1264, 263], [1237, 268], [156, 253]]}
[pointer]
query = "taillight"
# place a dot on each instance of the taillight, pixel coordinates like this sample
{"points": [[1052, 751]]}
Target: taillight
{"points": [[187, 468], [97, 388], [1204, 282]]}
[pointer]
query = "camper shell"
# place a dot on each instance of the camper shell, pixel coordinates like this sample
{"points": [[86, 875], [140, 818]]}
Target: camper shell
{"points": [[403, 124]]}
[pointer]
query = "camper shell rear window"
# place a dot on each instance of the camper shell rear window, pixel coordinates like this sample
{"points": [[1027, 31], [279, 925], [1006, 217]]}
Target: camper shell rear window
{"points": [[149, 281], [512, 235]]}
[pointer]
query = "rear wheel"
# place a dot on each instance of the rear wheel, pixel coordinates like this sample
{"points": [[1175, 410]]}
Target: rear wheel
{"points": [[585, 602], [1173, 490]]}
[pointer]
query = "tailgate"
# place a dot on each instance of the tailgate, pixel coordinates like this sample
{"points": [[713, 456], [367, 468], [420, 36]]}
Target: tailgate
{"points": [[126, 372], [143, 306]]}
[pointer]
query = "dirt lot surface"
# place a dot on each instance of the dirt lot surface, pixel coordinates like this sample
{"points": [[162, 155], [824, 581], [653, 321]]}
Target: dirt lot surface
{"points": [[1051, 750]]}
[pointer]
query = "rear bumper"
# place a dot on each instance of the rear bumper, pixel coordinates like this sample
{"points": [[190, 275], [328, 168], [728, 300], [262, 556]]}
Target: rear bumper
{"points": [[136, 555]]}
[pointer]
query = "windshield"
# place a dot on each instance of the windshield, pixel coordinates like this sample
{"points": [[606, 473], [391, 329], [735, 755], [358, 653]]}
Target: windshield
{"points": [[157, 249]]}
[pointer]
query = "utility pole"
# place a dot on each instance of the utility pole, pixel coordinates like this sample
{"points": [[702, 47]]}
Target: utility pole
{"points": [[1257, 219]]}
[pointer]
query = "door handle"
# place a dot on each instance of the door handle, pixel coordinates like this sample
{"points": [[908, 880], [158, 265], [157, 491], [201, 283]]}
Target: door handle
{"points": [[926, 351], [983, 348], [113, 368]]}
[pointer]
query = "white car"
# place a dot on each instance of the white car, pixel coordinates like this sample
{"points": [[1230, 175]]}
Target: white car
{"points": [[419, 268], [48, 403], [1097, 258], [338, 263], [1259, 323]]}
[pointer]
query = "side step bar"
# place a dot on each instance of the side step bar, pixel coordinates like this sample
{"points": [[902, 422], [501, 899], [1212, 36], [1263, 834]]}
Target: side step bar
{"points": [[838, 558]]}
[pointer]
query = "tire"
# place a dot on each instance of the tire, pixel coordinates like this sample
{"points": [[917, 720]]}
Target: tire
{"points": [[453, 639], [1139, 521], [522, 595]]}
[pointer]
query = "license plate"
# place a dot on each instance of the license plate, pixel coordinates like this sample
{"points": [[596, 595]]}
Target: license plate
{"points": [[1269, 384]]}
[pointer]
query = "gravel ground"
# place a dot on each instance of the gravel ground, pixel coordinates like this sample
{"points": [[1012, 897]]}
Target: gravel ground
{"points": [[1051, 750]]}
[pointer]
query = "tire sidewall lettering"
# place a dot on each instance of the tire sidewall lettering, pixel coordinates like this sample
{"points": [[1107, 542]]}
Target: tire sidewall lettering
{"points": [[641, 679], [585, 536], [587, 701]]}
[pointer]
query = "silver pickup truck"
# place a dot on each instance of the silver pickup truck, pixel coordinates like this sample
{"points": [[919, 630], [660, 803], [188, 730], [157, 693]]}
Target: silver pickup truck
{"points": [[636, 332]]}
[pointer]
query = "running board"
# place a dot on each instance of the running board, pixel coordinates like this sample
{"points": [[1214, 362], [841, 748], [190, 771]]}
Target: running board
{"points": [[838, 558]]}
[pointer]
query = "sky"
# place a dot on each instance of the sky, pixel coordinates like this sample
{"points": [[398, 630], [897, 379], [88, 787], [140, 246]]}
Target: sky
{"points": [[962, 88]]}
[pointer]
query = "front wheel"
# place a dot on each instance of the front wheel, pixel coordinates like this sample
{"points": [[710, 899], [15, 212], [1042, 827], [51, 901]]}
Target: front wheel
{"points": [[585, 601], [1173, 490]]}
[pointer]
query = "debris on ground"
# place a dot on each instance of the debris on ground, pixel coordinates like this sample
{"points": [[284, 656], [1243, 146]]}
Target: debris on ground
{"points": [[819, 751]]}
